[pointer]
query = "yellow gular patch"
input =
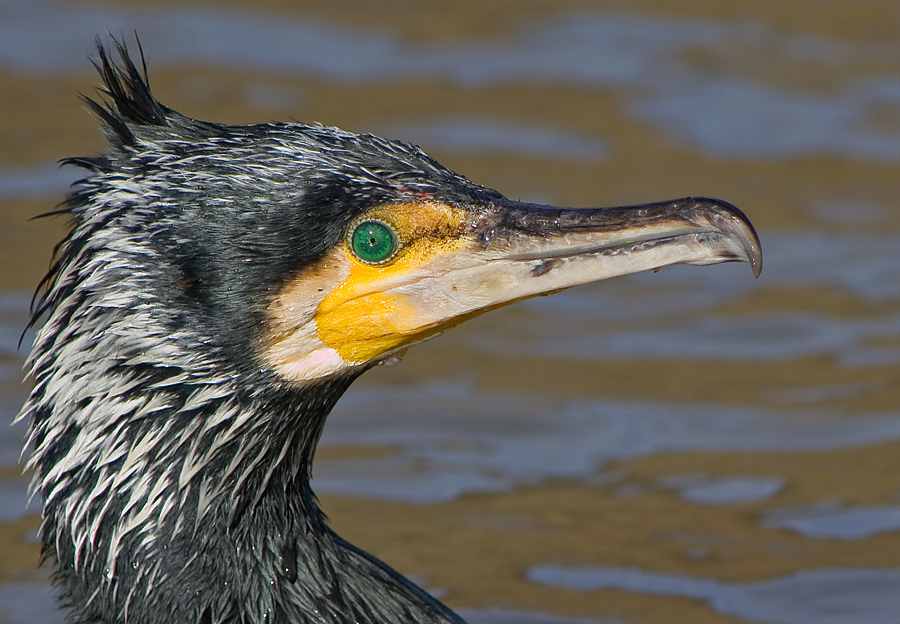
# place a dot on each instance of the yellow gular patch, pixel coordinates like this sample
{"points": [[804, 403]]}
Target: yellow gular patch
{"points": [[359, 319]]}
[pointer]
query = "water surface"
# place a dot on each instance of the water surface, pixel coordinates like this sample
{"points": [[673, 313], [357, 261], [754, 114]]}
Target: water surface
{"points": [[687, 434]]}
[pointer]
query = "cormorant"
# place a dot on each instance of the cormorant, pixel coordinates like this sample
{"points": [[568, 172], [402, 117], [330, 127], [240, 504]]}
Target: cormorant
{"points": [[220, 288]]}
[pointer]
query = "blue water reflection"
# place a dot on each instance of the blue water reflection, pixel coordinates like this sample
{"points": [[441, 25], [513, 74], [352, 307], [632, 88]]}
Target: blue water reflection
{"points": [[729, 490], [29, 603], [834, 596], [466, 135], [835, 521]]}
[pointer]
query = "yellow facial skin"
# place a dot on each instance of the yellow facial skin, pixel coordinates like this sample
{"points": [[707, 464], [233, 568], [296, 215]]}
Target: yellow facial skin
{"points": [[361, 321]]}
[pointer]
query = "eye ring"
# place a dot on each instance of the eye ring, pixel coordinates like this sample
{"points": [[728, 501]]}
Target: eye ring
{"points": [[373, 241]]}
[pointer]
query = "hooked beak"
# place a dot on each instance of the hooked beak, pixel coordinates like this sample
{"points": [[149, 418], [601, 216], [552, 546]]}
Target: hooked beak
{"points": [[523, 250]]}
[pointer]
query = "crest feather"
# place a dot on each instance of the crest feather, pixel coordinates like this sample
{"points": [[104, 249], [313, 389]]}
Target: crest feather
{"points": [[127, 88]]}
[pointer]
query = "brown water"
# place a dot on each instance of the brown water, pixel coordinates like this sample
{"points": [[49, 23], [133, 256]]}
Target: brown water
{"points": [[692, 446]]}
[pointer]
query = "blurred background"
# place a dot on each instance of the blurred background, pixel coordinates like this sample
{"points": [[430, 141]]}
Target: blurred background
{"points": [[691, 446]]}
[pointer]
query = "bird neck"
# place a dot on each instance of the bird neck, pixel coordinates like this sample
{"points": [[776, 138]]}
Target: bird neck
{"points": [[205, 514]]}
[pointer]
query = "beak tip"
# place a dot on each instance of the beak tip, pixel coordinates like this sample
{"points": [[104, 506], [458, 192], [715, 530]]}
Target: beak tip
{"points": [[752, 248], [756, 265], [737, 226]]}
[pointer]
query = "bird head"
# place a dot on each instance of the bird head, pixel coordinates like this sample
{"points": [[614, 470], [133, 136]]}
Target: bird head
{"points": [[307, 252]]}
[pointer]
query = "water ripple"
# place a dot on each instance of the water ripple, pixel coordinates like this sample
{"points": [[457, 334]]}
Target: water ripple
{"points": [[835, 596]]}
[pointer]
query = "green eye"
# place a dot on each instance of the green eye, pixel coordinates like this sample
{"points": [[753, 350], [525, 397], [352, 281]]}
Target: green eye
{"points": [[373, 242]]}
